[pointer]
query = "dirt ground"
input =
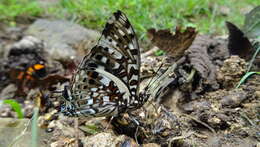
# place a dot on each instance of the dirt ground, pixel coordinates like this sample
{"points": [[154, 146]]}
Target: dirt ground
{"points": [[197, 106]]}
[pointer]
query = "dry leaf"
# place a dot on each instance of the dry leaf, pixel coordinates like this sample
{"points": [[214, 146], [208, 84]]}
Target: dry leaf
{"points": [[173, 44]]}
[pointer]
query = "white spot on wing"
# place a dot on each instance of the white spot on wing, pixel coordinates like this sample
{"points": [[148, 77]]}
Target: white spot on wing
{"points": [[82, 73], [129, 31], [77, 78], [95, 94], [86, 112], [106, 98], [114, 43], [93, 89], [116, 65], [110, 51], [89, 101], [116, 36], [104, 60], [125, 78], [131, 46], [121, 32], [134, 77], [121, 86], [104, 80]]}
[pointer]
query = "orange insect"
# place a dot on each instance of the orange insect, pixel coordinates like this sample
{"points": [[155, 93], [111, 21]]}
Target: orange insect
{"points": [[33, 72]]}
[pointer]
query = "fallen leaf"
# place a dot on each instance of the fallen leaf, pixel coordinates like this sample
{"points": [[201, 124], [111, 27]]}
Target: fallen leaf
{"points": [[174, 44]]}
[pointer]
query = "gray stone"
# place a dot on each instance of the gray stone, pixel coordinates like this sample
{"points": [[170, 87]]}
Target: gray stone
{"points": [[17, 133], [8, 92], [61, 36], [103, 140]]}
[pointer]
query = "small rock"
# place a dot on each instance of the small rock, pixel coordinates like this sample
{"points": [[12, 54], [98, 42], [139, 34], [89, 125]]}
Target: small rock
{"points": [[60, 36], [214, 121], [8, 92], [64, 130], [104, 139], [6, 111], [14, 33], [234, 98], [27, 44], [231, 71], [44, 120], [214, 141], [195, 106], [11, 129], [64, 142], [151, 145], [28, 108]]}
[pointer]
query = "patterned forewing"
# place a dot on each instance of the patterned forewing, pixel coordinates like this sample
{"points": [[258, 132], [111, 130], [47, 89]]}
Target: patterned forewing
{"points": [[120, 39], [107, 80]]}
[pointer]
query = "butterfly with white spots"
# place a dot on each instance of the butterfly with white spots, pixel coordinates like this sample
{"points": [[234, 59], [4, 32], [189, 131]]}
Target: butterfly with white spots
{"points": [[107, 80]]}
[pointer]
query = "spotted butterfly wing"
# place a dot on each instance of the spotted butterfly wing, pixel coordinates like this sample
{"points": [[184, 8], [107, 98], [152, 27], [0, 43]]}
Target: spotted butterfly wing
{"points": [[107, 80]]}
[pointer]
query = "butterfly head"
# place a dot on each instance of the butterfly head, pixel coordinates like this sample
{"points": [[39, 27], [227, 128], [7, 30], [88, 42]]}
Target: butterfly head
{"points": [[67, 108]]}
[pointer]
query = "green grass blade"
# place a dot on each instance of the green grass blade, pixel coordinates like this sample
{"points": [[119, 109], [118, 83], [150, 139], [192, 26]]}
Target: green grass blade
{"points": [[35, 127], [247, 75], [16, 106], [253, 58]]}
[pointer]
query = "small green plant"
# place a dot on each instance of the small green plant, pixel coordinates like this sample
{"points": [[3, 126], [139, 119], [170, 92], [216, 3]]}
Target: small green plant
{"points": [[159, 53], [15, 106], [35, 127], [249, 73], [11, 9], [90, 129], [245, 77], [208, 16]]}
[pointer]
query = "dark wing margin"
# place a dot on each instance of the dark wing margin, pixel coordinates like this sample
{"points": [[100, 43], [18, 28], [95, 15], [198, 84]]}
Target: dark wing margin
{"points": [[120, 36]]}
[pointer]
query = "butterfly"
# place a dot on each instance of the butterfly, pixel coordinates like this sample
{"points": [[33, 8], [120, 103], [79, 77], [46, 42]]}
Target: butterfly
{"points": [[107, 80]]}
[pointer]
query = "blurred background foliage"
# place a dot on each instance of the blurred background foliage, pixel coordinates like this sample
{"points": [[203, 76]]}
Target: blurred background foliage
{"points": [[208, 16]]}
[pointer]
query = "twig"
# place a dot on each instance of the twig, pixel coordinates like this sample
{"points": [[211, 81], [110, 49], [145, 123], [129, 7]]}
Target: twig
{"points": [[198, 121], [136, 133], [247, 119], [253, 58], [76, 125], [180, 137], [200, 136]]}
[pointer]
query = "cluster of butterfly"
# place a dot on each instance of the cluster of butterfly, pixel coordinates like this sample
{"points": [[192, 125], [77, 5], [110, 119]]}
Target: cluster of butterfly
{"points": [[107, 80]]}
